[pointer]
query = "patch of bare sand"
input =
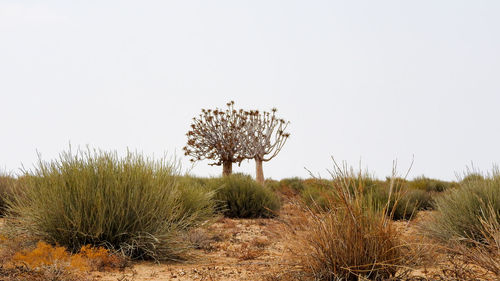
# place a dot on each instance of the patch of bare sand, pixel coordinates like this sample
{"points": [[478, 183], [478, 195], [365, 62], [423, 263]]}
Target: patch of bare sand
{"points": [[229, 249]]}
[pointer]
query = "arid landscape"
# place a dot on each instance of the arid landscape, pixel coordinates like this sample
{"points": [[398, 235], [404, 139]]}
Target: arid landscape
{"points": [[273, 248], [249, 140]]}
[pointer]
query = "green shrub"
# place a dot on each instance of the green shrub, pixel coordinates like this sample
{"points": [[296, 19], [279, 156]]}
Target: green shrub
{"points": [[242, 197], [462, 210], [318, 194], [409, 202], [6, 185], [274, 185], [426, 184], [317, 198], [296, 184], [359, 183], [133, 204]]}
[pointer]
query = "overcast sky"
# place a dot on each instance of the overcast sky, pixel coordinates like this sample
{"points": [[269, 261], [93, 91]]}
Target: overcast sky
{"points": [[368, 81]]}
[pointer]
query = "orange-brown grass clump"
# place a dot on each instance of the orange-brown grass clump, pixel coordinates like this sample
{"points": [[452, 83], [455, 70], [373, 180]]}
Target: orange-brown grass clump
{"points": [[353, 240]]}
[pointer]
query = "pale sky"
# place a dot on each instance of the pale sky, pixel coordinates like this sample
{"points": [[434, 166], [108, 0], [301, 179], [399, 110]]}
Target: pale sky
{"points": [[358, 80]]}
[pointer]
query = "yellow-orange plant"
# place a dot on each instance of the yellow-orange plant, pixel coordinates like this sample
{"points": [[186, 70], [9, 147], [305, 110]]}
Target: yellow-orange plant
{"points": [[88, 258], [47, 255]]}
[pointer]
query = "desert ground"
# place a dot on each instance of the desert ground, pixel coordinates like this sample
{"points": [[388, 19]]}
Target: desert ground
{"points": [[238, 249]]}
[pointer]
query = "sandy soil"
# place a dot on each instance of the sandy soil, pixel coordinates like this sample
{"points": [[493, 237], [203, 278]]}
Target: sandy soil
{"points": [[233, 249], [229, 249]]}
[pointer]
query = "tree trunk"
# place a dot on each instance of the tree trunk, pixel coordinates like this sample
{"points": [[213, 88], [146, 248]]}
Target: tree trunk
{"points": [[227, 168], [259, 172]]}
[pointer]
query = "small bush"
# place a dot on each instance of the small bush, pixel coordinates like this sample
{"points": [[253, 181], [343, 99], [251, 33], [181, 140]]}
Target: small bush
{"points": [[295, 184], [318, 194], [274, 185], [429, 185], [133, 204], [460, 211], [242, 197], [404, 203]]}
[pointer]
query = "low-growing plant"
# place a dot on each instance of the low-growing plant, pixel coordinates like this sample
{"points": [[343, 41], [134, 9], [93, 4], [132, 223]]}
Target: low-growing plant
{"points": [[430, 185], [47, 255], [460, 211], [296, 184], [242, 197], [133, 204], [274, 185], [318, 194], [403, 204]]}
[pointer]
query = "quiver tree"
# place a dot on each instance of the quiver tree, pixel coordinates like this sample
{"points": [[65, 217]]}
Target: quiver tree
{"points": [[264, 137], [216, 135]]}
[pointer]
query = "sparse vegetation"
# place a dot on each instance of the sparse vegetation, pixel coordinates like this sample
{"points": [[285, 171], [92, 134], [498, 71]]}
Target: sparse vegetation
{"points": [[404, 203], [133, 205], [91, 208], [294, 184], [318, 194], [429, 185]]}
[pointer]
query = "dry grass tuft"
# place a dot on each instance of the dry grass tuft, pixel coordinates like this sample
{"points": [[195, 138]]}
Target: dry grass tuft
{"points": [[353, 240]]}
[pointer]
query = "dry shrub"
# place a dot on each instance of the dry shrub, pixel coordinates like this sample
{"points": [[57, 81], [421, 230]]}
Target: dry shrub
{"points": [[353, 239]]}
